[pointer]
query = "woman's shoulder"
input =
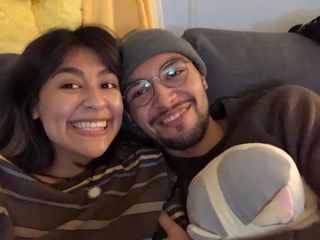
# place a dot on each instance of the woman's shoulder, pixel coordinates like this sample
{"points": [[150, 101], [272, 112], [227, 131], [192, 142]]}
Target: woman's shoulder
{"points": [[5, 163], [10, 173]]}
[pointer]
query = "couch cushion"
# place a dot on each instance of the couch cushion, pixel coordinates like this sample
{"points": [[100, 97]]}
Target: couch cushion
{"points": [[17, 24], [242, 62], [53, 14]]}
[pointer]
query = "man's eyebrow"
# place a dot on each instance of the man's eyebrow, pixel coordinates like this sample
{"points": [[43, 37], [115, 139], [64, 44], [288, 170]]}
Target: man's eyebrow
{"points": [[170, 61]]}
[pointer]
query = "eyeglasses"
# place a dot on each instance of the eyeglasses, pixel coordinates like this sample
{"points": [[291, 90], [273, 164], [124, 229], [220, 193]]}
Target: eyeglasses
{"points": [[173, 74]]}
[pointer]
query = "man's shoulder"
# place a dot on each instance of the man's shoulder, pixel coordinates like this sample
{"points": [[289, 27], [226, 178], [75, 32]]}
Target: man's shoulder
{"points": [[291, 91], [281, 96], [290, 100], [286, 99]]}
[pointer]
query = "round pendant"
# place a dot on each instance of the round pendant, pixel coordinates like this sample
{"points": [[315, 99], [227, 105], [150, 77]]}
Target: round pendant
{"points": [[94, 192]]}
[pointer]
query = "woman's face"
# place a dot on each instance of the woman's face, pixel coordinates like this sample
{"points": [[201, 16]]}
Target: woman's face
{"points": [[80, 107]]}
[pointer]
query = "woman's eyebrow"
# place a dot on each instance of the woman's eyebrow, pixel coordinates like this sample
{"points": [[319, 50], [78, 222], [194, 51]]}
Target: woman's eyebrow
{"points": [[104, 71], [76, 71], [72, 70]]}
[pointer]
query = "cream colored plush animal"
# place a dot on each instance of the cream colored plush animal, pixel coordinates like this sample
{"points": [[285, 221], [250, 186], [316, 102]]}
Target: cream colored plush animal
{"points": [[249, 190]]}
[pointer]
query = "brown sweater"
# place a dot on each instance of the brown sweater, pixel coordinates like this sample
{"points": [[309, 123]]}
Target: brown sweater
{"points": [[287, 117]]}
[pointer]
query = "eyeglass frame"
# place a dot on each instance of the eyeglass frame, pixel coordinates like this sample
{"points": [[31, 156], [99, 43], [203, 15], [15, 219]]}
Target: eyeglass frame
{"points": [[185, 61]]}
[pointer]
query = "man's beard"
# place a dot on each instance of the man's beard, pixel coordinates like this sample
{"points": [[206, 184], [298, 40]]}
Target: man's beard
{"points": [[185, 141]]}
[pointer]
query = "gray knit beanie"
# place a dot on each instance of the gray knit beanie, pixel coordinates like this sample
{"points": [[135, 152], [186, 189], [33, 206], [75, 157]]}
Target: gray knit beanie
{"points": [[140, 45]]}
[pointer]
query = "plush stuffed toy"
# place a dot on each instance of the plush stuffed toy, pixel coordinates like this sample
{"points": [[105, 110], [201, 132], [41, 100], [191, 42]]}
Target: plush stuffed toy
{"points": [[250, 190]]}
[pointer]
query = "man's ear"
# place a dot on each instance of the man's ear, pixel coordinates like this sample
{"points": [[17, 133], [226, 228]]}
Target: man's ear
{"points": [[127, 115], [131, 125], [204, 83]]}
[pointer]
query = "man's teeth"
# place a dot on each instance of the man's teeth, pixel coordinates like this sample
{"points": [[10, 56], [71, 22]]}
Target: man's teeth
{"points": [[174, 116], [90, 125]]}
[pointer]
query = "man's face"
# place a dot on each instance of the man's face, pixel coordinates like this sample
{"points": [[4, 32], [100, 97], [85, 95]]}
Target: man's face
{"points": [[176, 117]]}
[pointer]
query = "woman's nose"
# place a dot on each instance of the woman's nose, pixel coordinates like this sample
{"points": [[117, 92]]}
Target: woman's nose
{"points": [[95, 99]]}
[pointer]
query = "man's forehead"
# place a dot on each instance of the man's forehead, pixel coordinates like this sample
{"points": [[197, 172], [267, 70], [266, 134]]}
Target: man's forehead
{"points": [[151, 67]]}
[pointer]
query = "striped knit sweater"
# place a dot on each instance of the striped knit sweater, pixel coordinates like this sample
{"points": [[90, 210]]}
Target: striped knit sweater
{"points": [[135, 183]]}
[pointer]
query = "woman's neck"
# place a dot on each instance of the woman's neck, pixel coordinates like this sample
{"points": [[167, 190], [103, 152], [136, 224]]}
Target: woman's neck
{"points": [[65, 170], [65, 166]]}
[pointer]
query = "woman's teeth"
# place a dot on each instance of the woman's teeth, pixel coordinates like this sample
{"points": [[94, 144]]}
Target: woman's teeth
{"points": [[90, 125]]}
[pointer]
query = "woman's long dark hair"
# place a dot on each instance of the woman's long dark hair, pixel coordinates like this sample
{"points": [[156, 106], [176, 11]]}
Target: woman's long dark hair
{"points": [[23, 140]]}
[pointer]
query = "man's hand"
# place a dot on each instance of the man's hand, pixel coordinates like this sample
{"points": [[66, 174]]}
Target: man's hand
{"points": [[173, 230]]}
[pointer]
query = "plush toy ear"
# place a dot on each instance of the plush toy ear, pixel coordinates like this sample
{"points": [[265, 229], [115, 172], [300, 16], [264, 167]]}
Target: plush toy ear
{"points": [[279, 211]]}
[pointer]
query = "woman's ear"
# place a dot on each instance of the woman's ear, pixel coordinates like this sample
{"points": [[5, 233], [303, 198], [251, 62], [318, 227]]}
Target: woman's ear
{"points": [[35, 114]]}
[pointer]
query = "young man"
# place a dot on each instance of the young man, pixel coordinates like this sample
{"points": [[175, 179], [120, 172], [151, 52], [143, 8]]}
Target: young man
{"points": [[165, 93]]}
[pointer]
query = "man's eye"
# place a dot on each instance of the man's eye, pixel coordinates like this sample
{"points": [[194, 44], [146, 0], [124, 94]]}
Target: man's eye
{"points": [[138, 93], [174, 73], [70, 86]]}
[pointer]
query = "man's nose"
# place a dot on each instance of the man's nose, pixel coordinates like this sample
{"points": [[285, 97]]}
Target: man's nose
{"points": [[163, 95]]}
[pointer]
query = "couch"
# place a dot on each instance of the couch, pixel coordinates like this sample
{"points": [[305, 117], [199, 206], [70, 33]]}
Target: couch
{"points": [[245, 63], [240, 63]]}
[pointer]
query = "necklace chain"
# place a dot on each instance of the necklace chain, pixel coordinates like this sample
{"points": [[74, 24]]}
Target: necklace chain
{"points": [[93, 191]]}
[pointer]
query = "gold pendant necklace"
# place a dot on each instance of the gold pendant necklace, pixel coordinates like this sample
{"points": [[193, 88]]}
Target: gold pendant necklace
{"points": [[94, 191]]}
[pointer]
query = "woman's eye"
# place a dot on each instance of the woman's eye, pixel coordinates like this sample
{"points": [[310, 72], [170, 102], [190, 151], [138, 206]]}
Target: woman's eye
{"points": [[108, 85], [70, 86]]}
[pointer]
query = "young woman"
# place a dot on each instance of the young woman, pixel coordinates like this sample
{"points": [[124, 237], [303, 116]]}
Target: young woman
{"points": [[63, 173]]}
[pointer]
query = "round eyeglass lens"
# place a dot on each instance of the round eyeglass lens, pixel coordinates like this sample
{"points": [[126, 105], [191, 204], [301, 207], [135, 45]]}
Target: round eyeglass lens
{"points": [[139, 93], [174, 73]]}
